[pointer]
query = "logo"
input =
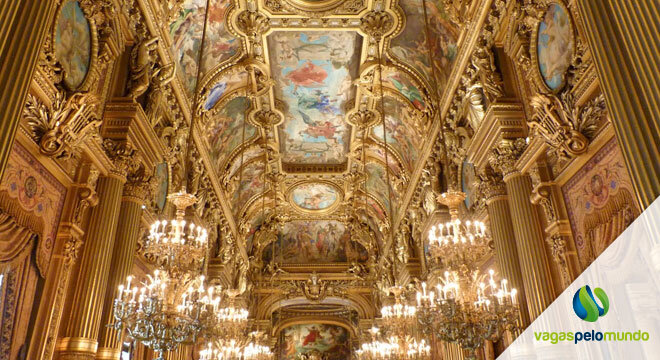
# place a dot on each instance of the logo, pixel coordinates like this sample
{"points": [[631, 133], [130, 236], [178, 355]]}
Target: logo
{"points": [[585, 305]]}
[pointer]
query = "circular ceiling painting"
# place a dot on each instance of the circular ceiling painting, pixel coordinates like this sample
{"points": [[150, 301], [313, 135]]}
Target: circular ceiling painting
{"points": [[315, 196]]}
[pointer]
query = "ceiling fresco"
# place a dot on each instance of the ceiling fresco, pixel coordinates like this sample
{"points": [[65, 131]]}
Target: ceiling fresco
{"points": [[319, 241], [315, 196], [186, 34], [313, 73], [411, 46], [226, 129], [315, 341], [405, 139], [309, 192]]}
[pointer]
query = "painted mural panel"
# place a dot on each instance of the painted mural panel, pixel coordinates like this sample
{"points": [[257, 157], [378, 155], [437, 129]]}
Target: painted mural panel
{"points": [[401, 136], [251, 184], [555, 46], [377, 184], [319, 242], [411, 46], [37, 192], [186, 34], [73, 44], [162, 175], [315, 196], [314, 72], [468, 178], [600, 201], [225, 85], [315, 341], [224, 131], [243, 158], [402, 82]]}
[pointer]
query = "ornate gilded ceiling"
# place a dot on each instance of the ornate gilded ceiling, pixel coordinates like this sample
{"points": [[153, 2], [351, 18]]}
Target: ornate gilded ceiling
{"points": [[283, 94]]}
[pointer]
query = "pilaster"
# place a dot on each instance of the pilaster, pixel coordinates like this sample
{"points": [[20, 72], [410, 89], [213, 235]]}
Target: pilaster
{"points": [[136, 191], [80, 341]]}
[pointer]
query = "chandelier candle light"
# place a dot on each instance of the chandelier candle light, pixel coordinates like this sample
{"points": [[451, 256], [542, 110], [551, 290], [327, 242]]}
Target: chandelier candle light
{"points": [[169, 307], [467, 307]]}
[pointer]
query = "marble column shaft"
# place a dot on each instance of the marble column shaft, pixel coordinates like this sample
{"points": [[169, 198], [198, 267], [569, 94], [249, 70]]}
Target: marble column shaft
{"points": [[530, 243], [23, 28], [503, 234], [622, 37], [80, 341], [123, 254]]}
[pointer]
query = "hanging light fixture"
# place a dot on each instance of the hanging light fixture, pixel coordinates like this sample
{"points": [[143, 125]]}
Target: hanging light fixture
{"points": [[173, 305], [250, 347], [404, 347]]}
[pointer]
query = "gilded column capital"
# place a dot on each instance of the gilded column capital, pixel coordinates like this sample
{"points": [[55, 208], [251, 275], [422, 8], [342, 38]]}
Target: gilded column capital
{"points": [[138, 188], [123, 156], [492, 186], [503, 158]]}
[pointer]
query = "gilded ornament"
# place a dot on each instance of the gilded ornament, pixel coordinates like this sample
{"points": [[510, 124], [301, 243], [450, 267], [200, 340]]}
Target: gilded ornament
{"points": [[62, 127]]}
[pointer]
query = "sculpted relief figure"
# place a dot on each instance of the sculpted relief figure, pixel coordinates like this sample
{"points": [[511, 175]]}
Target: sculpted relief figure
{"points": [[143, 58]]}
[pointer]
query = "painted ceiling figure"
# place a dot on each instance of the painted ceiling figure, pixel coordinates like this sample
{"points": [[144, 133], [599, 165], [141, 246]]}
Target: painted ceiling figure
{"points": [[313, 336], [309, 75]]}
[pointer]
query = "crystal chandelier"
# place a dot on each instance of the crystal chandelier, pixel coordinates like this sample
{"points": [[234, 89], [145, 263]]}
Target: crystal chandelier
{"points": [[228, 322], [400, 318], [456, 243], [467, 307], [251, 347], [169, 308], [177, 246], [467, 310], [404, 347]]}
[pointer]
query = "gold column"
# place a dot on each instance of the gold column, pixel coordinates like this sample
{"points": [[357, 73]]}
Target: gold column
{"points": [[23, 27], [128, 231], [622, 36], [501, 228], [85, 318], [530, 243]]}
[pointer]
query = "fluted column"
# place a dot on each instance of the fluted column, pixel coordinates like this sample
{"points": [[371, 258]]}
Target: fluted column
{"points": [[622, 36], [501, 229], [23, 28], [85, 318], [82, 330], [128, 231], [527, 229]]}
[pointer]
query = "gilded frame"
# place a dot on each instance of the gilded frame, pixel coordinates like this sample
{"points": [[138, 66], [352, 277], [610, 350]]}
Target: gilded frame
{"points": [[88, 81], [329, 209]]}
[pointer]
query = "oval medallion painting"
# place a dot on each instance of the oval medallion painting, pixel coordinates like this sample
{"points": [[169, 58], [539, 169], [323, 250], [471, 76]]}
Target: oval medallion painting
{"points": [[314, 196], [73, 45], [554, 46]]}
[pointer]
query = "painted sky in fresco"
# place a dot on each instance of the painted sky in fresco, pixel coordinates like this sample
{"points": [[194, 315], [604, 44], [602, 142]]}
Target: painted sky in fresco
{"points": [[314, 196], [314, 71]]}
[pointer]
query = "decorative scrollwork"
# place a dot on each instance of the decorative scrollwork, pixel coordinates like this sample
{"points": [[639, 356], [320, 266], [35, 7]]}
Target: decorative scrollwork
{"points": [[376, 24], [60, 128], [566, 127]]}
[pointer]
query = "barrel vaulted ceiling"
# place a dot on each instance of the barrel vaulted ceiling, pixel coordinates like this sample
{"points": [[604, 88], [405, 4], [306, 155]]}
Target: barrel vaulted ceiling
{"points": [[308, 69]]}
